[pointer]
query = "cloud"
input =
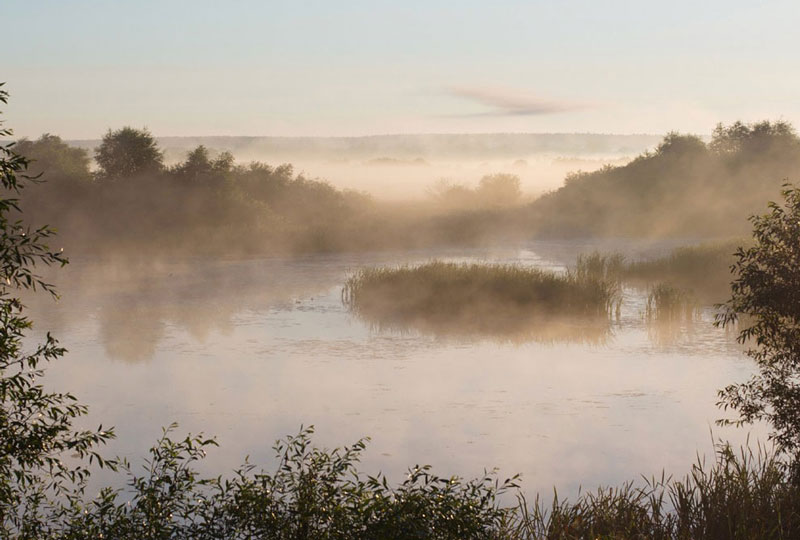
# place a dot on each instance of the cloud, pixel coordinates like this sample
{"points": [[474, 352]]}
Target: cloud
{"points": [[508, 102]]}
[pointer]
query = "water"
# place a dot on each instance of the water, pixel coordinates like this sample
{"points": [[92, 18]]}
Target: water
{"points": [[251, 350]]}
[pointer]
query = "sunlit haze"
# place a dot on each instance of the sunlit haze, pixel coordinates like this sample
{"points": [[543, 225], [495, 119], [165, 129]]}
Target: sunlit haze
{"points": [[554, 239]]}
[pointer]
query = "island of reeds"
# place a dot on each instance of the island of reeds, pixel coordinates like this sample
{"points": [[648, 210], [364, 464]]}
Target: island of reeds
{"points": [[502, 300]]}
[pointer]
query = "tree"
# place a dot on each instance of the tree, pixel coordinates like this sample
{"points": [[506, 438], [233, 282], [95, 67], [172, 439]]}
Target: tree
{"points": [[128, 152], [66, 192], [765, 299], [36, 431], [675, 144], [499, 190], [50, 153], [750, 139], [199, 167], [451, 195]]}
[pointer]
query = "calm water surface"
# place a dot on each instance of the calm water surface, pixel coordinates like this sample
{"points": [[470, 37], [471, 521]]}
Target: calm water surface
{"points": [[251, 350]]}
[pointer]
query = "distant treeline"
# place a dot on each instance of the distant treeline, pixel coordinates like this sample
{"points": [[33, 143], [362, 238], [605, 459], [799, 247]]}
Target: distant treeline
{"points": [[132, 201], [210, 204], [685, 187]]}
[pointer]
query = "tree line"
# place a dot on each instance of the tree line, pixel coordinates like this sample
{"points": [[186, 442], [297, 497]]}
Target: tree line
{"points": [[685, 187], [211, 204]]}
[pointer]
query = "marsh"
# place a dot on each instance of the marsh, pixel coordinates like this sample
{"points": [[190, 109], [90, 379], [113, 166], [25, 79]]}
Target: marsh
{"points": [[250, 349]]}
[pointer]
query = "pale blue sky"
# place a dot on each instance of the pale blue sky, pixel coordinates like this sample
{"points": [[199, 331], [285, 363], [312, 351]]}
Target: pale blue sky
{"points": [[304, 67]]}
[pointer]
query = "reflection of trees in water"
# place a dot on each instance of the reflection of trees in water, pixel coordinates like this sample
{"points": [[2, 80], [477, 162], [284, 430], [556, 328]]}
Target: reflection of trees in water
{"points": [[131, 329], [134, 305], [130, 332]]}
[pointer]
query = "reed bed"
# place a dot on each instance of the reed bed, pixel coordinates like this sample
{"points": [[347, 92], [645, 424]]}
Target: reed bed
{"points": [[703, 270], [669, 304], [747, 494], [484, 298]]}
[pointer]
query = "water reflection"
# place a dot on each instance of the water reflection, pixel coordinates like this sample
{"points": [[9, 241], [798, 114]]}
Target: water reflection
{"points": [[137, 307], [130, 332], [497, 327], [249, 350], [671, 315]]}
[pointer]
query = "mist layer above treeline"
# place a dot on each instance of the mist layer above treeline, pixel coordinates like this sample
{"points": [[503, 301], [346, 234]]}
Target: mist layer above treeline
{"points": [[408, 147], [132, 202]]}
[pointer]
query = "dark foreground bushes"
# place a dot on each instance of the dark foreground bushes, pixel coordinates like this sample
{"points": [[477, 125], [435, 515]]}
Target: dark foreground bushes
{"points": [[320, 494], [312, 493]]}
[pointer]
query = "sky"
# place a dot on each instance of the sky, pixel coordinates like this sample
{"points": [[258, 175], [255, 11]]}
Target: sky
{"points": [[342, 68]]}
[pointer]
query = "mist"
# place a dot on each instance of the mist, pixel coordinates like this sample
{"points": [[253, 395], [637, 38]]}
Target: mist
{"points": [[508, 270], [404, 167]]}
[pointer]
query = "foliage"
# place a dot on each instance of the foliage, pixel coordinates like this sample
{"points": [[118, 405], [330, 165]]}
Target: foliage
{"points": [[312, 493], [766, 292], [62, 162], [499, 189], [36, 433], [206, 203], [598, 266], [667, 304], [128, 153], [493, 191], [745, 495], [210, 204], [702, 271], [753, 139], [683, 188]]}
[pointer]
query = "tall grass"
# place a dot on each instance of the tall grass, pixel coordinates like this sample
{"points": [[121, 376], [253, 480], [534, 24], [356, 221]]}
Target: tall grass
{"points": [[596, 265], [668, 304], [485, 298], [749, 494], [669, 312], [703, 270]]}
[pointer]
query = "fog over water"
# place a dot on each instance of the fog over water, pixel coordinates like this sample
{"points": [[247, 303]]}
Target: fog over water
{"points": [[403, 167], [250, 350]]}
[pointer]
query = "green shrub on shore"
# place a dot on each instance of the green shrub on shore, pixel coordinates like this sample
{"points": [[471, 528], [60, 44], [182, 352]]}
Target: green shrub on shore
{"points": [[312, 493]]}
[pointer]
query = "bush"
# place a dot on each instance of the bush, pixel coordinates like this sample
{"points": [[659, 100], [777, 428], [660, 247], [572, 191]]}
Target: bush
{"points": [[766, 292]]}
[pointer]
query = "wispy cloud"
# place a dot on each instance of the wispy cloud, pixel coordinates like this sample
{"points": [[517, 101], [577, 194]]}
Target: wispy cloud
{"points": [[509, 102]]}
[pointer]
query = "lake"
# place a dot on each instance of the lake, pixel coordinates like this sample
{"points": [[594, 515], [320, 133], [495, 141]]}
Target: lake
{"points": [[250, 350]]}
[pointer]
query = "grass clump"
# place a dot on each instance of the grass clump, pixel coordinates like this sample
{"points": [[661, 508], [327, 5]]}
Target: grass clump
{"points": [[749, 494], [485, 298], [667, 304], [609, 268], [669, 312], [702, 270]]}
